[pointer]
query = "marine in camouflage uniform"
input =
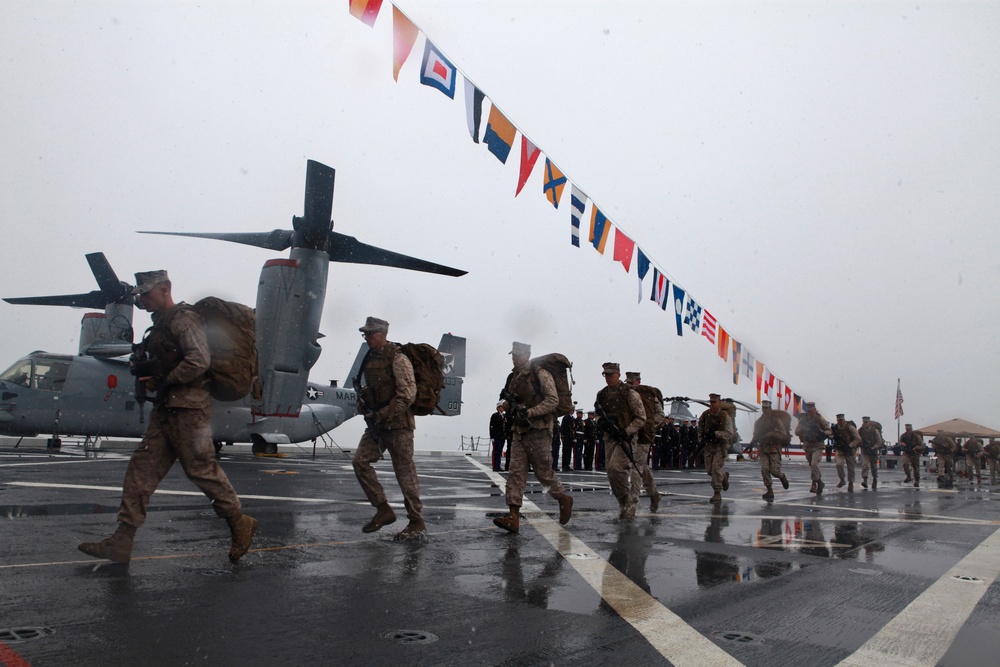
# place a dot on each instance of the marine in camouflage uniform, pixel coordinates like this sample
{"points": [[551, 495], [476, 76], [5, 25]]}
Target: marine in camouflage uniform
{"points": [[385, 400], [944, 449], [179, 426], [993, 458], [813, 429], [913, 446], [973, 454], [532, 400], [846, 442], [622, 416], [770, 435], [652, 404], [717, 432], [871, 445]]}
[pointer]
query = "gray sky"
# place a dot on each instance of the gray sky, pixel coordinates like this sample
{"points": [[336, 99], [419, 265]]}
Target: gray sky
{"points": [[821, 176]]}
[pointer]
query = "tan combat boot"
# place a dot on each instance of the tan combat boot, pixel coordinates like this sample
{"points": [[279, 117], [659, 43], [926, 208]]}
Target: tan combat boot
{"points": [[654, 502], [768, 495], [117, 548], [874, 483], [565, 509], [716, 498], [243, 528], [784, 481], [511, 522], [383, 517], [725, 481], [819, 487], [413, 531]]}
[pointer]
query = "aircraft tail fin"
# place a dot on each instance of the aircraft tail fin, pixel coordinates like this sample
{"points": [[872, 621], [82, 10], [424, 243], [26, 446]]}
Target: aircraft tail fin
{"points": [[356, 366], [452, 348]]}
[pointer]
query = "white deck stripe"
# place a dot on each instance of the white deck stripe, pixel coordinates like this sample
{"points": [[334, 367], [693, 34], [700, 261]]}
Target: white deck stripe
{"points": [[666, 632], [922, 633]]}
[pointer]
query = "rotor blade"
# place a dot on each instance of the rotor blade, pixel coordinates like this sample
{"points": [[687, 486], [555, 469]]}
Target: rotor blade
{"points": [[278, 239], [95, 299], [348, 249], [114, 290], [319, 194]]}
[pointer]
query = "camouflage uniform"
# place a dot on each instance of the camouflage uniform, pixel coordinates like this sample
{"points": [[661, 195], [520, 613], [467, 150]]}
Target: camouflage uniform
{"points": [[652, 404], [973, 453], [532, 442], [389, 391], [944, 450], [770, 434], [871, 444], [813, 430], [179, 427], [913, 447], [717, 433], [847, 440], [993, 458], [623, 406]]}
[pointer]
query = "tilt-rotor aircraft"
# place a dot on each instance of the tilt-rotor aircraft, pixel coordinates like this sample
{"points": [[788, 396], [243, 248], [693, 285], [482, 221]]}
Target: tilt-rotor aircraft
{"points": [[93, 394]]}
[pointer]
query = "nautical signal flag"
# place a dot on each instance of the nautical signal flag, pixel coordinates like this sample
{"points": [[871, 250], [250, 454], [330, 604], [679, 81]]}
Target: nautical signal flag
{"points": [[748, 362], [737, 358], [661, 289], [473, 108], [692, 314], [500, 134], [404, 35], [760, 378], [642, 268], [553, 184], [723, 342], [577, 202], [600, 229], [437, 71], [366, 10], [529, 155], [708, 326], [679, 309], [624, 247]]}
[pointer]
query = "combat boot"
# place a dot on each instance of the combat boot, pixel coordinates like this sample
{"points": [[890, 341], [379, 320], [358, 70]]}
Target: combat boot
{"points": [[243, 528], [565, 509], [916, 482], [874, 483], [908, 479], [628, 514], [725, 481], [654, 502], [841, 483], [413, 531], [510, 522], [819, 487], [784, 481], [850, 487], [383, 517], [117, 548], [716, 498], [812, 487], [768, 495], [864, 483]]}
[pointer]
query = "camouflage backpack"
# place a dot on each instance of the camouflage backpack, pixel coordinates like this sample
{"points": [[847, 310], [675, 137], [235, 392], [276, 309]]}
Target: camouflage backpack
{"points": [[561, 370], [232, 342], [428, 370]]}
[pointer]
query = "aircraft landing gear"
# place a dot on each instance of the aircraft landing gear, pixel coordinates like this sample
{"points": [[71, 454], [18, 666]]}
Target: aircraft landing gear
{"points": [[218, 445], [54, 443], [262, 447]]}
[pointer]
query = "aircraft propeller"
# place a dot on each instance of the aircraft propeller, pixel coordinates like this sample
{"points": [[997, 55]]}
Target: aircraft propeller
{"points": [[112, 290], [314, 230]]}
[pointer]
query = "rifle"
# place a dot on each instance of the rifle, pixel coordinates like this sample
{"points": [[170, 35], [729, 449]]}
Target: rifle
{"points": [[363, 408], [609, 426], [517, 411]]}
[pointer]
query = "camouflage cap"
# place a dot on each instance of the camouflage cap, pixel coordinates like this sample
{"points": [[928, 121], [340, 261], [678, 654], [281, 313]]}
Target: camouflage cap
{"points": [[840, 415], [908, 426], [147, 280], [611, 367], [809, 404], [520, 348], [373, 324], [633, 375], [765, 403], [866, 419]]}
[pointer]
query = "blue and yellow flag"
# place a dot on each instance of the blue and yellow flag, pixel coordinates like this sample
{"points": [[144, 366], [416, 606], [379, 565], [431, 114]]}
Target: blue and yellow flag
{"points": [[600, 229], [500, 133], [553, 183]]}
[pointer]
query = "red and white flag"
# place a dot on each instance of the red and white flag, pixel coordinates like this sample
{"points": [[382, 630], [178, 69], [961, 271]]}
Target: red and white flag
{"points": [[708, 326]]}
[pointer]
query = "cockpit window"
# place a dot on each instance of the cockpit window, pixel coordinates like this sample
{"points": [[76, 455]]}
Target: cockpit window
{"points": [[41, 373]]}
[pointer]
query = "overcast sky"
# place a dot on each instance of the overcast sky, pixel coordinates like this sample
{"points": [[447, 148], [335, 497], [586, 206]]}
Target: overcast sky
{"points": [[821, 176]]}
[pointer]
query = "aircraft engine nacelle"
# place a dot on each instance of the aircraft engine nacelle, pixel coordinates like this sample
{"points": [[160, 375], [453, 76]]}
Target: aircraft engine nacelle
{"points": [[290, 298]]}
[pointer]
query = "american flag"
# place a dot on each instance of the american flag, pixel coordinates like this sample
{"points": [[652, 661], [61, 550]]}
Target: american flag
{"points": [[899, 400]]}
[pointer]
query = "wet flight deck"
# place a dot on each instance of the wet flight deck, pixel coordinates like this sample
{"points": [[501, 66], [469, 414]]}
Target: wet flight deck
{"points": [[898, 576]]}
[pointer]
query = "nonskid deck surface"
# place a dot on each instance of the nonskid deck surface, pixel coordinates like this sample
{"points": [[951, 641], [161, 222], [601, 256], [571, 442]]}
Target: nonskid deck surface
{"points": [[804, 580]]}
